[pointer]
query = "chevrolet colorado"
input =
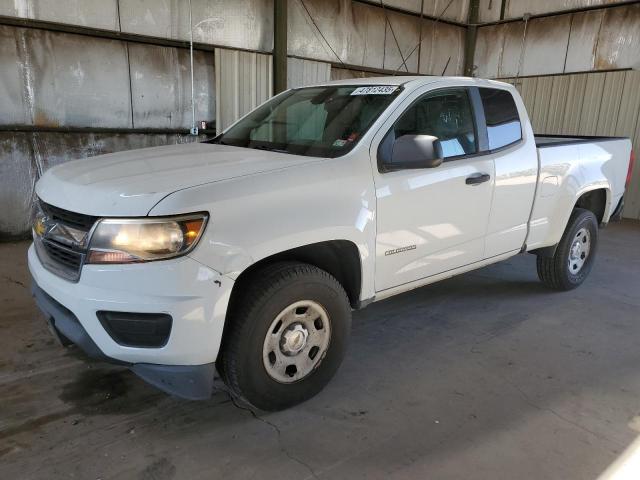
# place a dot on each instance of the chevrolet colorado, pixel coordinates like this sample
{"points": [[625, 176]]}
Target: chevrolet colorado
{"points": [[246, 253]]}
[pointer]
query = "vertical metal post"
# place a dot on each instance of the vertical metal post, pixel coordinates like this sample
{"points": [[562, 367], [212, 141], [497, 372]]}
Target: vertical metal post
{"points": [[194, 128], [470, 37], [279, 46]]}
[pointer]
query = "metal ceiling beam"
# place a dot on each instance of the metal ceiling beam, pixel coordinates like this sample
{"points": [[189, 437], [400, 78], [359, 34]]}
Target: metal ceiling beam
{"points": [[393, 8], [114, 35]]}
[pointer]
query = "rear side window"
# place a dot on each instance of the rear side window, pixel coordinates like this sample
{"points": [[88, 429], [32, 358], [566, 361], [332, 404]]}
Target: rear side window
{"points": [[501, 114]]}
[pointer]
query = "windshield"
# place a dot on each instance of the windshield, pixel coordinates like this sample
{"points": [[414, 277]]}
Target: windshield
{"points": [[315, 121]]}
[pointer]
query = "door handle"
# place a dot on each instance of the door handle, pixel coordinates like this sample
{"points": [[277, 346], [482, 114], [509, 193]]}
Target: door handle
{"points": [[477, 179]]}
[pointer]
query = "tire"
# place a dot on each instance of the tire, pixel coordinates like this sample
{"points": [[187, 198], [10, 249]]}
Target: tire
{"points": [[558, 272], [268, 326]]}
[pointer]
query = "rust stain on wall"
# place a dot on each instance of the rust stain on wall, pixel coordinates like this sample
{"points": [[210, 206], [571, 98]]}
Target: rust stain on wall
{"points": [[40, 119]]}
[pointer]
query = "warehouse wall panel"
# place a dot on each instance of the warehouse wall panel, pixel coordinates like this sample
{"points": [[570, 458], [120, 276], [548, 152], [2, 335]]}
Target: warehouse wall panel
{"points": [[557, 97], [457, 10], [401, 37], [161, 86], [436, 60], [545, 45], [67, 80], [346, 73], [354, 33], [306, 72], [58, 82], [359, 34], [17, 172], [573, 106], [541, 102], [584, 30], [619, 39], [591, 104], [25, 155], [610, 103], [488, 52], [489, 10], [246, 24], [15, 75], [87, 13], [596, 40], [598, 103], [244, 80], [628, 114]]}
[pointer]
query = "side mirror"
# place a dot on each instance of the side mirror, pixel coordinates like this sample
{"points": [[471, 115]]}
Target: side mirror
{"points": [[416, 151]]}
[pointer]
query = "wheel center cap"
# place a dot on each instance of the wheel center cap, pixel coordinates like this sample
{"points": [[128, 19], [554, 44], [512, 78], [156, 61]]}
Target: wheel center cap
{"points": [[294, 339], [576, 250]]}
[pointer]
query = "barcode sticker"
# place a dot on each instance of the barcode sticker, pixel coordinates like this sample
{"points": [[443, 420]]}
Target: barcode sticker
{"points": [[375, 90]]}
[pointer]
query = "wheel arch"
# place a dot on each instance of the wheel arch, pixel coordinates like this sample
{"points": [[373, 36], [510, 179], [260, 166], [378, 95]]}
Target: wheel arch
{"points": [[597, 200], [340, 258]]}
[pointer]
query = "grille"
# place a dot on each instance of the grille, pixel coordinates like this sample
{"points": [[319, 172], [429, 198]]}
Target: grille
{"points": [[59, 258], [62, 255], [77, 220]]}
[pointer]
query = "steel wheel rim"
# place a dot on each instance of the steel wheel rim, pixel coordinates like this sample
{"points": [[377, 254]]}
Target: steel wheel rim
{"points": [[579, 250], [296, 342]]}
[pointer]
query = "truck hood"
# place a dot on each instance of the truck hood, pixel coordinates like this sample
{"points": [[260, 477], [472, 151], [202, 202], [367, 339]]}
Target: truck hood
{"points": [[131, 183]]}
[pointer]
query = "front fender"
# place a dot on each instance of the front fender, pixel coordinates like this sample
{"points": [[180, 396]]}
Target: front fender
{"points": [[255, 217]]}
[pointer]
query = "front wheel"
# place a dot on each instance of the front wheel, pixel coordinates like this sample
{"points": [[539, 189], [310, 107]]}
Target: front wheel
{"points": [[574, 256], [287, 336]]}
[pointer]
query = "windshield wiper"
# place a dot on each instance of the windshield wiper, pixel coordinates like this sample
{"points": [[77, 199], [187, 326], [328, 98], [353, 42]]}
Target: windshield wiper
{"points": [[269, 149]]}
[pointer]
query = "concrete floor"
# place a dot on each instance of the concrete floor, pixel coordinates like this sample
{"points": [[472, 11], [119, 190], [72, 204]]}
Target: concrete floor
{"points": [[487, 375]]}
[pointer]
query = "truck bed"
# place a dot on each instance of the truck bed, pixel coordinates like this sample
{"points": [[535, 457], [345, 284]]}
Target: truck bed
{"points": [[569, 165], [544, 140]]}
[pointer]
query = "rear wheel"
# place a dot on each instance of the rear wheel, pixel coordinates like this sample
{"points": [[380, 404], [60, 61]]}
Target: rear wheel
{"points": [[287, 337], [574, 256]]}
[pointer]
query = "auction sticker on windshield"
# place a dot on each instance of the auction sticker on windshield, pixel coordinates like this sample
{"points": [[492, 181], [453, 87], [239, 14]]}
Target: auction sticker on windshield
{"points": [[375, 90]]}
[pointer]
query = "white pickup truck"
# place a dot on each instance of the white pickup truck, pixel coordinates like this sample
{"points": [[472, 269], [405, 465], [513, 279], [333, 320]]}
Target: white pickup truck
{"points": [[248, 252]]}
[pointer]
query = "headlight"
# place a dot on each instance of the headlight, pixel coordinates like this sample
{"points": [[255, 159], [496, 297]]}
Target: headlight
{"points": [[144, 239]]}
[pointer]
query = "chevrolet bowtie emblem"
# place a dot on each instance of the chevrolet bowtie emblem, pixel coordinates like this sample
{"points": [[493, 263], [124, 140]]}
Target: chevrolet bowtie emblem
{"points": [[39, 226]]}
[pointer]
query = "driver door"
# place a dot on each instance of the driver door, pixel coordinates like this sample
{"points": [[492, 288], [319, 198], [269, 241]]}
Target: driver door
{"points": [[431, 220]]}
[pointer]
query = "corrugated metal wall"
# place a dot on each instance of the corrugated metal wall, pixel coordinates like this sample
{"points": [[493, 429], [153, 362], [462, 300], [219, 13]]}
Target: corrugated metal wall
{"points": [[588, 104], [243, 81], [306, 72]]}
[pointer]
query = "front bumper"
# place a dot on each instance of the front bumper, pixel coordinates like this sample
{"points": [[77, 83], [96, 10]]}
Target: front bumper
{"points": [[194, 295]]}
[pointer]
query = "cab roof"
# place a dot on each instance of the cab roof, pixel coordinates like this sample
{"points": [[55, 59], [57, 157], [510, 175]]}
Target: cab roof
{"points": [[414, 80]]}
